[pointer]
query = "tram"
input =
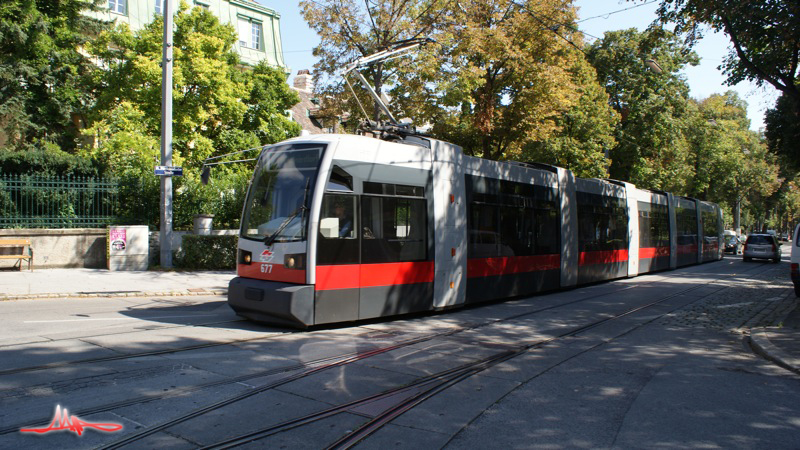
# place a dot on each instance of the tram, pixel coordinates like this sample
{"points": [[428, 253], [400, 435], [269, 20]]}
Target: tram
{"points": [[340, 228]]}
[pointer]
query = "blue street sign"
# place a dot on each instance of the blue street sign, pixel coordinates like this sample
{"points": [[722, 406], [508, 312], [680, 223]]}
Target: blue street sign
{"points": [[172, 171]]}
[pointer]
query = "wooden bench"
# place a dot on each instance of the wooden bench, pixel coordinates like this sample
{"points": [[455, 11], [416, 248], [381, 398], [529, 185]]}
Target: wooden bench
{"points": [[15, 249]]}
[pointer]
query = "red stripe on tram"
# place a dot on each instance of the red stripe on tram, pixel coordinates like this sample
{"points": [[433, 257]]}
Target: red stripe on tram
{"points": [[354, 276], [602, 257], [487, 267], [653, 252]]}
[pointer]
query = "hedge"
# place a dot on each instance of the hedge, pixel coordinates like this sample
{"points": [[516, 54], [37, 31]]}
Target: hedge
{"points": [[207, 252]]}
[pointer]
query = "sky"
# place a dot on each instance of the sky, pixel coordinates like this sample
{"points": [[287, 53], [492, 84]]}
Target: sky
{"points": [[600, 16]]}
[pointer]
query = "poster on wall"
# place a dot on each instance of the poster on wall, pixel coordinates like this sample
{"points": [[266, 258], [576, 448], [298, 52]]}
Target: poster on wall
{"points": [[117, 238]]}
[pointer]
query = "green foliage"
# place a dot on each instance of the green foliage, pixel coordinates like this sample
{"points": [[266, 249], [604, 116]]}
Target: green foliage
{"points": [[730, 162], [499, 81], [119, 144], [349, 29], [216, 104], [763, 35], [218, 108], [45, 159], [585, 132], [268, 99], [45, 82], [207, 252], [501, 77], [140, 199], [223, 197], [783, 131], [652, 149]]}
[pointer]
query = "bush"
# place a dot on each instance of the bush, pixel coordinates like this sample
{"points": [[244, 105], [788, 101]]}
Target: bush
{"points": [[46, 160], [207, 252]]}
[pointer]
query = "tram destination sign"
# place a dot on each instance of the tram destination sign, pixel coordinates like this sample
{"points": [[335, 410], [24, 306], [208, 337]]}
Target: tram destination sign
{"points": [[171, 171]]}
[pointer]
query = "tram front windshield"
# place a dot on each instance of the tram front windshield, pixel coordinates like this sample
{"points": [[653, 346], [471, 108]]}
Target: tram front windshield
{"points": [[276, 209]]}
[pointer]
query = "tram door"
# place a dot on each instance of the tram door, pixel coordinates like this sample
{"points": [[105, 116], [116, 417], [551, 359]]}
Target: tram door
{"points": [[396, 275], [372, 257], [338, 256]]}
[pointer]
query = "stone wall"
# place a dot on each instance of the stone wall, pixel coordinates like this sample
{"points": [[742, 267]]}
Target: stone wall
{"points": [[81, 247], [67, 247]]}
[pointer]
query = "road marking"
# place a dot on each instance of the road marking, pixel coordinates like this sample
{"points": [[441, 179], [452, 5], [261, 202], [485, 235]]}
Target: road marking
{"points": [[117, 318]]}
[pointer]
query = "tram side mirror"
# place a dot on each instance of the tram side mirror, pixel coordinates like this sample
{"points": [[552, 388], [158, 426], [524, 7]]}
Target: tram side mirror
{"points": [[205, 175]]}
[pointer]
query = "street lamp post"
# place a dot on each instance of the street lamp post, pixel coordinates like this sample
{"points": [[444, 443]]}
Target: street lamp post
{"points": [[165, 233]]}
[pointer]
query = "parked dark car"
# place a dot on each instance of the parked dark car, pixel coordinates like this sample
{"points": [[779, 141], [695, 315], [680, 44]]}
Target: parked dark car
{"points": [[733, 244], [763, 246]]}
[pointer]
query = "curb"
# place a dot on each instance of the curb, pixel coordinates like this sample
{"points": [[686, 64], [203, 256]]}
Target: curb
{"points": [[760, 343], [175, 293]]}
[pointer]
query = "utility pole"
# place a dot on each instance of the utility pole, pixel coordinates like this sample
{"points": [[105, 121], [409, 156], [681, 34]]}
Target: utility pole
{"points": [[165, 234]]}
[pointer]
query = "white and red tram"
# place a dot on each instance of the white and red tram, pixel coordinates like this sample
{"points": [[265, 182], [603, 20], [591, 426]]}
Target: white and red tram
{"points": [[340, 228]]}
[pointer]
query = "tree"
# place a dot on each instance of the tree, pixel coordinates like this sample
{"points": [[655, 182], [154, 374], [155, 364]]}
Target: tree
{"points": [[763, 34], [652, 150], [352, 29], [44, 80], [783, 131], [218, 107], [585, 133], [765, 49], [789, 206], [502, 77], [216, 103], [123, 147], [731, 163]]}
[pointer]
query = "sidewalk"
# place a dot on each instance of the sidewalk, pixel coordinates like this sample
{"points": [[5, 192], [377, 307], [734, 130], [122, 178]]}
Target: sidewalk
{"points": [[52, 283], [780, 344]]}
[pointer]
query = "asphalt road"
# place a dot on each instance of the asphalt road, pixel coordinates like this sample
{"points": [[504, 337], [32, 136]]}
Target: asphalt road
{"points": [[657, 361]]}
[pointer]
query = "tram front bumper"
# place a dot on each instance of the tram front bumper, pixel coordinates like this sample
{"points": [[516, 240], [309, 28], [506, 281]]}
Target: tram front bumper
{"points": [[272, 302]]}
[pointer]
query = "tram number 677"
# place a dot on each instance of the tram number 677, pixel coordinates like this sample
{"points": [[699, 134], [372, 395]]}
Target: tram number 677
{"points": [[266, 268]]}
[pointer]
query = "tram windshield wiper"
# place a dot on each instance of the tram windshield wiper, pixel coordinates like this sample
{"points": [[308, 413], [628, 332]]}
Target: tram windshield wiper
{"points": [[272, 237], [302, 208]]}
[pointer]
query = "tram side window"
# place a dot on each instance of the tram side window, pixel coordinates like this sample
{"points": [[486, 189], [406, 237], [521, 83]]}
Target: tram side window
{"points": [[506, 218], [484, 236], [686, 219], [602, 223], [548, 228], [338, 243], [653, 225], [710, 226], [394, 229]]}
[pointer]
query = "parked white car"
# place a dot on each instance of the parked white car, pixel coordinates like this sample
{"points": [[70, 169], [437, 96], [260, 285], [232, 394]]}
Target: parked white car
{"points": [[795, 260]]}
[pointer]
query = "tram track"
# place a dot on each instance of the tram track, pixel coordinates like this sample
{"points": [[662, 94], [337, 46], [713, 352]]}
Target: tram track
{"points": [[4, 347], [172, 350], [166, 351], [429, 386], [454, 377]]}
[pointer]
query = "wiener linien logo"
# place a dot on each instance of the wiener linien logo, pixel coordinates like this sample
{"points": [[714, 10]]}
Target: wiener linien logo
{"points": [[62, 421]]}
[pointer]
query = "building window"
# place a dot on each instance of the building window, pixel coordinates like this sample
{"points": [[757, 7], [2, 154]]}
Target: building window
{"points": [[250, 34], [256, 33], [159, 6], [118, 6]]}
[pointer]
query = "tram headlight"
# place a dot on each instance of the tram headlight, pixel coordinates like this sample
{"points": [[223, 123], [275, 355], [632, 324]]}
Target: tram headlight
{"points": [[245, 257], [295, 261]]}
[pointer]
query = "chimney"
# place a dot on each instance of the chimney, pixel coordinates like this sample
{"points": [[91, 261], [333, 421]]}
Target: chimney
{"points": [[303, 81]]}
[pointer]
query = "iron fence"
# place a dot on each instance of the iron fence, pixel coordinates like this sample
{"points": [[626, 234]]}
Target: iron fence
{"points": [[29, 201]]}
